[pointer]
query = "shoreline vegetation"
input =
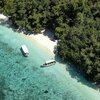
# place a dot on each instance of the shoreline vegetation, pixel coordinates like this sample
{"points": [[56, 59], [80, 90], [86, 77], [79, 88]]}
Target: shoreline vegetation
{"points": [[74, 23]]}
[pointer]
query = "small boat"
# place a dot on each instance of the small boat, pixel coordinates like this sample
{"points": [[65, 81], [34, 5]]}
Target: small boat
{"points": [[49, 63], [24, 50]]}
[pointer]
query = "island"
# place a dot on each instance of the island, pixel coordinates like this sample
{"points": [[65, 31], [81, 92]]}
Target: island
{"points": [[76, 23]]}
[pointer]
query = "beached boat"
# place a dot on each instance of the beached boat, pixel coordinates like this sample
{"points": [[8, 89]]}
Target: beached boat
{"points": [[48, 63], [24, 50]]}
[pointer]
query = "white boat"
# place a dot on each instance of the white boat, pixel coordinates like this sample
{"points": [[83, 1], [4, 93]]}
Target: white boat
{"points": [[48, 63], [24, 50]]}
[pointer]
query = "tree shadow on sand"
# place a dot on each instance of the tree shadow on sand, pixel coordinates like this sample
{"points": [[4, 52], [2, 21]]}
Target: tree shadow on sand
{"points": [[76, 74], [49, 34]]}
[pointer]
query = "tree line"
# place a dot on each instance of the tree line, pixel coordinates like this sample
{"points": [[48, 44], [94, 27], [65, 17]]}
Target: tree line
{"points": [[76, 23]]}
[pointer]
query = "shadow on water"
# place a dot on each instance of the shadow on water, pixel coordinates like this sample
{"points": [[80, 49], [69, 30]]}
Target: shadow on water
{"points": [[59, 60], [22, 52], [8, 25], [2, 87], [76, 74]]}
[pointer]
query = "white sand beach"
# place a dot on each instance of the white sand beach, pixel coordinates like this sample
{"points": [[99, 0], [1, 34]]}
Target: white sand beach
{"points": [[45, 40], [3, 17]]}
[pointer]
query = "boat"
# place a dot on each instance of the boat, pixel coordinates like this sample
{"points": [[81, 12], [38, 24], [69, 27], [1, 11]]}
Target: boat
{"points": [[49, 63], [24, 50]]}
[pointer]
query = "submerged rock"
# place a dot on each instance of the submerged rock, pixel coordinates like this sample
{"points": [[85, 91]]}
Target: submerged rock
{"points": [[46, 91]]}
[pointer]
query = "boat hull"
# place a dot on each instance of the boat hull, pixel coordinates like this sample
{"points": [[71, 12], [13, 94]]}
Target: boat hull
{"points": [[47, 65]]}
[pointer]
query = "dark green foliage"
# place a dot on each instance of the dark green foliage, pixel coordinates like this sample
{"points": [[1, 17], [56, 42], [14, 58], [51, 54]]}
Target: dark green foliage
{"points": [[75, 22]]}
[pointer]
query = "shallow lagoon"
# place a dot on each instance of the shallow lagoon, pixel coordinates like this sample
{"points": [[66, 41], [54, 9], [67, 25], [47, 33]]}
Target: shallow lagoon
{"points": [[22, 78]]}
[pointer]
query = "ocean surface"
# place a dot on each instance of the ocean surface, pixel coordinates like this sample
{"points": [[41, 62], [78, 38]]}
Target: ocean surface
{"points": [[22, 78]]}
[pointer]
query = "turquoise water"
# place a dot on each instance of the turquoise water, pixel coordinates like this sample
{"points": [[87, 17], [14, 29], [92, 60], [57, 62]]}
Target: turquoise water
{"points": [[22, 78]]}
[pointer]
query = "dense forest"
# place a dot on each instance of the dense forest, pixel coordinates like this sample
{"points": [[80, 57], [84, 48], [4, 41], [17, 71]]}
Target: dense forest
{"points": [[76, 23]]}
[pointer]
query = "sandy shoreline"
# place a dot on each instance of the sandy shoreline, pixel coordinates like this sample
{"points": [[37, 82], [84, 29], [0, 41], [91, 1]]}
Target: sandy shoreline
{"points": [[44, 41]]}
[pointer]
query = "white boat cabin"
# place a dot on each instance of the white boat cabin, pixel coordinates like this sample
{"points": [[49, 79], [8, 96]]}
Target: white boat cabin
{"points": [[49, 63], [25, 50]]}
